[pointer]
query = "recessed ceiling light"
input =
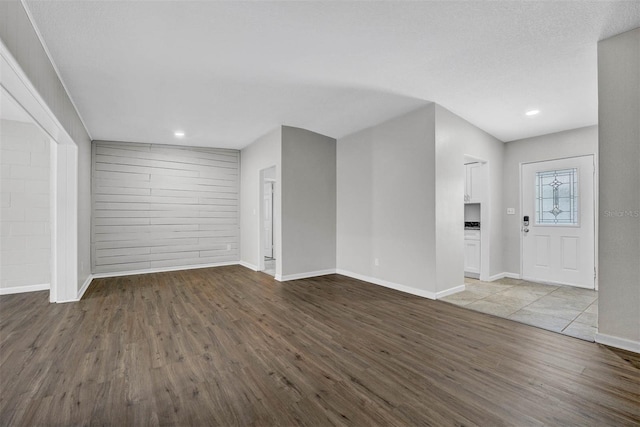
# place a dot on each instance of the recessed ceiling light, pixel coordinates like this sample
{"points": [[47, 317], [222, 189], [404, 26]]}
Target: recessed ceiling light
{"points": [[179, 133], [532, 112]]}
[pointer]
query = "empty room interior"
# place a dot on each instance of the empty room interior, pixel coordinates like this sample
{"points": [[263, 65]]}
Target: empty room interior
{"points": [[319, 213]]}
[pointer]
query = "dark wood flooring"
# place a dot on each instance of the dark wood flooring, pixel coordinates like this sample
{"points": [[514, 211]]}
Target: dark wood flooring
{"points": [[227, 346]]}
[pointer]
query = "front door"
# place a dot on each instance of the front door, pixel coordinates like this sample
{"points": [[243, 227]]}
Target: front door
{"points": [[558, 243]]}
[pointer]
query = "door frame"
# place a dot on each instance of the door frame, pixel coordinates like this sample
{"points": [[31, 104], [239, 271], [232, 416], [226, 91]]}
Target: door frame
{"points": [[595, 210], [261, 251], [64, 178]]}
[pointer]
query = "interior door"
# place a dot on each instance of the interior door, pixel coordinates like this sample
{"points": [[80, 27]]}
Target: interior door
{"points": [[268, 220], [558, 243]]}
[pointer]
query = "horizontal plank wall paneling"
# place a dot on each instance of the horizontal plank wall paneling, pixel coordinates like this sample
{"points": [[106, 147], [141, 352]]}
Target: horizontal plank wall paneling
{"points": [[157, 206]]}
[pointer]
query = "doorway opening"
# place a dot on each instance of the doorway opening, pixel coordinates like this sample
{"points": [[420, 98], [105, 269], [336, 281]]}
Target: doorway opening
{"points": [[267, 218], [63, 176]]}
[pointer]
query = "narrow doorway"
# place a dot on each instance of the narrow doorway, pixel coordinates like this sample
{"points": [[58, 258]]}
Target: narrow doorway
{"points": [[268, 195]]}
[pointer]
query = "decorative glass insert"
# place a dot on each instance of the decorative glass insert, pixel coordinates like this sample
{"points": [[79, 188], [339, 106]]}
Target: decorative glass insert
{"points": [[557, 197]]}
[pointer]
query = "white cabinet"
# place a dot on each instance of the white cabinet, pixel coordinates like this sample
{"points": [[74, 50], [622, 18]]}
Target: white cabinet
{"points": [[472, 251], [473, 182]]}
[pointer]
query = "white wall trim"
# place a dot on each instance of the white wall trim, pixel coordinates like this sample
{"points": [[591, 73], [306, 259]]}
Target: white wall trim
{"points": [[27, 288], [64, 170], [20, 88], [84, 287], [281, 278], [617, 342], [504, 275], [162, 269], [450, 291], [387, 284], [249, 265]]}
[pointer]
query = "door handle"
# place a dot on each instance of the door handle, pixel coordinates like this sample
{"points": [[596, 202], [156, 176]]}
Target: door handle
{"points": [[525, 229]]}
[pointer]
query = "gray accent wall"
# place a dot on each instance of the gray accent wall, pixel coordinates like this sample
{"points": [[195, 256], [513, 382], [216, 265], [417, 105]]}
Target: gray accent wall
{"points": [[570, 143], [308, 202], [157, 206], [386, 201], [619, 204], [19, 36]]}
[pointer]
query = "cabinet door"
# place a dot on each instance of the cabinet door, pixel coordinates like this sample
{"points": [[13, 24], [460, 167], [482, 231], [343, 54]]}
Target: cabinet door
{"points": [[475, 182], [472, 256], [467, 184]]}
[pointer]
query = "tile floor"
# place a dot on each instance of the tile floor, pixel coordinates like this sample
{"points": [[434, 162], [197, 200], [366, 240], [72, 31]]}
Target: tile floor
{"points": [[564, 309]]}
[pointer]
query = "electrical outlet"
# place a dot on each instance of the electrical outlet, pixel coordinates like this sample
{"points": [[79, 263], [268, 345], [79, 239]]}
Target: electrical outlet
{"points": [[511, 211], [376, 262]]}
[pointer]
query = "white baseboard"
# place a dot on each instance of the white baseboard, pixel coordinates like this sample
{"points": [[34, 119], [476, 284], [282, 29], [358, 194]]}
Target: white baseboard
{"points": [[249, 266], [281, 278], [387, 284], [162, 269], [21, 289], [450, 291], [85, 286], [617, 342], [504, 275]]}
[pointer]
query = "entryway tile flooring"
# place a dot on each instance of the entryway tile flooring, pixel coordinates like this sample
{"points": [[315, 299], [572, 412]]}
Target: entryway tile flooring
{"points": [[564, 309]]}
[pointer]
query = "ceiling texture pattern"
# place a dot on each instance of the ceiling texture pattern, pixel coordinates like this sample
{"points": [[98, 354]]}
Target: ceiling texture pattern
{"points": [[228, 72]]}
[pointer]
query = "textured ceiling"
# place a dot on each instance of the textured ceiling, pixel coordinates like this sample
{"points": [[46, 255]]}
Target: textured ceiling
{"points": [[227, 72]]}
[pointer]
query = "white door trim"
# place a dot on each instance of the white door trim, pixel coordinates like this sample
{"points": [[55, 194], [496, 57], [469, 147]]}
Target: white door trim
{"points": [[64, 176], [595, 211]]}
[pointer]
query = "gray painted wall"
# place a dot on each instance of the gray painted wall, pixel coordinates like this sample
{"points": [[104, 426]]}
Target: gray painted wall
{"points": [[571, 143], [619, 204], [455, 138], [25, 233], [308, 202], [160, 206], [19, 36], [385, 196], [264, 153]]}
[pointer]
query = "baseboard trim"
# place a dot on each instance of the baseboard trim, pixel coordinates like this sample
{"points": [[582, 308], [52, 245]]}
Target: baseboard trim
{"points": [[450, 291], [162, 269], [249, 265], [297, 276], [504, 275], [387, 284], [23, 289], [617, 342], [84, 287]]}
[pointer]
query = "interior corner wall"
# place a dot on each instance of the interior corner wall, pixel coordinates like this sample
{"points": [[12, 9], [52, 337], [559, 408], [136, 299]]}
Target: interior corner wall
{"points": [[455, 138], [264, 153], [21, 39], [308, 203], [385, 203], [570, 143], [619, 195]]}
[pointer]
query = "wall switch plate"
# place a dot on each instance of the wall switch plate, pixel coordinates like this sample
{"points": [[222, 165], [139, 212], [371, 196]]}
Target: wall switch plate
{"points": [[511, 211]]}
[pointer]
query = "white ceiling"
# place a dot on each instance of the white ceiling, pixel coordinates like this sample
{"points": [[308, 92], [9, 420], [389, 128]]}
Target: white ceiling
{"points": [[227, 72]]}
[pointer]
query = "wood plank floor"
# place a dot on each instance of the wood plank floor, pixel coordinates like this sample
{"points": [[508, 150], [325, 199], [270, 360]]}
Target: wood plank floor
{"points": [[227, 346]]}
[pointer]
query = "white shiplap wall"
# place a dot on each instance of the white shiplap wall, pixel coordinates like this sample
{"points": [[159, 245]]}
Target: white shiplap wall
{"points": [[158, 206]]}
